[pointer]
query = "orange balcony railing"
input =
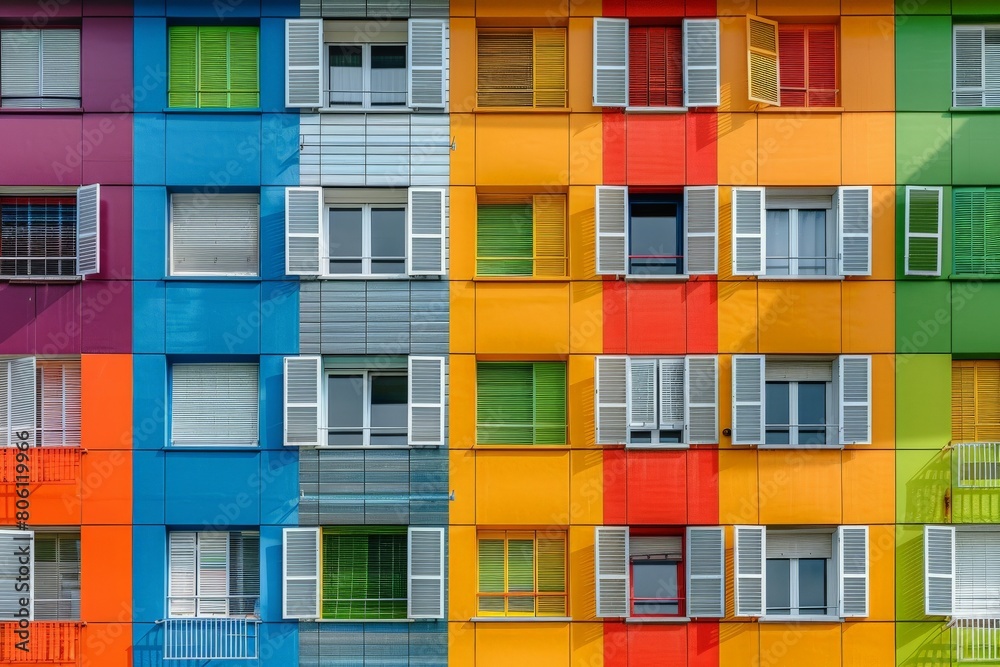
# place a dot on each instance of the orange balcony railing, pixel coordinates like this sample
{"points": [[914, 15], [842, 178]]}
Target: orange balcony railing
{"points": [[45, 465], [48, 643]]}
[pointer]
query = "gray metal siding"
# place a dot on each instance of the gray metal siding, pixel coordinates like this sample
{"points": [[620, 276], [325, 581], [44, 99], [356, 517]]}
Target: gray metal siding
{"points": [[422, 644], [375, 8]]}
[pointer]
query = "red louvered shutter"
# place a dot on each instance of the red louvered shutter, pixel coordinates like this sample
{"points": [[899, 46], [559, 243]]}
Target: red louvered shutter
{"points": [[656, 67], [674, 67], [822, 47], [792, 65], [638, 67]]}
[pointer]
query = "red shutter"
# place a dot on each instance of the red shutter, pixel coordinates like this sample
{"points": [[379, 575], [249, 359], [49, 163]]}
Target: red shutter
{"points": [[638, 67], [822, 43], [656, 67], [792, 65], [675, 68]]}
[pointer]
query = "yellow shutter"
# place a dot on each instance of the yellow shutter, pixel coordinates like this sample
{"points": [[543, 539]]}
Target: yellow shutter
{"points": [[550, 235], [963, 401], [975, 401], [551, 587], [550, 67], [762, 60], [987, 401], [504, 69]]}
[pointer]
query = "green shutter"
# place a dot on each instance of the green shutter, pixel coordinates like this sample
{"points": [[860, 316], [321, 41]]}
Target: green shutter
{"points": [[969, 226], [991, 232], [504, 403], [504, 239], [521, 575], [213, 67], [550, 403], [183, 79], [364, 573], [491, 575], [243, 64]]}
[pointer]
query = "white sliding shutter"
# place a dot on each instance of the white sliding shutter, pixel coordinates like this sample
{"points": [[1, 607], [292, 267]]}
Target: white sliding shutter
{"points": [[671, 393], [20, 61], [425, 573], [854, 374], [748, 561], [611, 400], [969, 68], [304, 63], [426, 57], [214, 234], [922, 256], [303, 231], [855, 225], [748, 399], [701, 400], [300, 568], [701, 217], [12, 545], [425, 232], [213, 574], [610, 62], [88, 230], [20, 409], [303, 389], [611, 571], [749, 231], [642, 393], [60, 68], [425, 422], [611, 216], [852, 556], [706, 572], [214, 404], [939, 570], [183, 565], [701, 62]]}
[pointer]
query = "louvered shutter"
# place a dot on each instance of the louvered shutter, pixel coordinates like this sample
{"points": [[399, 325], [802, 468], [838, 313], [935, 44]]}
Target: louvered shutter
{"points": [[183, 558], [670, 393], [550, 67], [750, 566], [939, 570], [303, 391], [642, 393], [13, 544], [427, 55], [300, 582], [701, 405], [701, 62], [425, 232], [214, 234], [854, 374], [549, 410], [183, 77], [58, 403], [611, 400], [855, 225], [426, 401], [706, 572], [213, 67], [969, 66], [822, 74], [793, 65], [505, 243], [749, 231], [852, 557], [611, 62], [793, 544], [922, 256], [505, 65], [701, 217], [969, 231], [611, 571], [504, 403], [425, 572], [214, 404], [20, 60], [611, 214], [549, 212], [60, 68], [20, 401], [243, 64], [88, 230], [213, 574], [762, 61], [303, 231], [304, 63], [641, 51], [748, 399]]}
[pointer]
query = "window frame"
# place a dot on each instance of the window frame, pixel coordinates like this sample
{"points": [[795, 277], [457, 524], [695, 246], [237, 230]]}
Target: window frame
{"points": [[209, 442], [41, 71], [367, 375], [830, 405], [534, 423], [366, 243], [196, 575], [982, 91], [535, 594], [794, 612], [681, 567], [532, 32], [366, 92], [832, 227], [171, 267], [68, 230], [659, 198]]}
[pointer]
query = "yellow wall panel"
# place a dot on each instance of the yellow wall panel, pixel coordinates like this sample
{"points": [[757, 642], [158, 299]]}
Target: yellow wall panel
{"points": [[587, 644], [582, 232], [883, 401], [586, 8], [738, 317], [788, 314], [522, 318], [462, 480], [798, 148], [579, 54], [540, 9], [580, 380], [799, 486], [774, 9], [875, 7], [463, 158], [737, 485], [867, 55], [462, 233], [884, 238], [586, 146], [739, 642], [462, 643], [523, 644], [521, 487], [462, 65], [867, 302], [462, 572], [462, 317], [733, 57], [737, 146], [463, 8], [799, 644], [868, 644], [582, 604], [882, 574], [586, 504], [529, 149], [869, 148], [462, 401], [868, 499], [586, 317]]}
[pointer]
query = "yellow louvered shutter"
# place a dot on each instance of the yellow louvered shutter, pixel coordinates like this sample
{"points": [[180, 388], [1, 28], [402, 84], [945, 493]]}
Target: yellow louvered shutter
{"points": [[988, 401], [762, 60], [963, 401], [505, 69], [550, 235], [550, 67], [975, 401], [551, 549]]}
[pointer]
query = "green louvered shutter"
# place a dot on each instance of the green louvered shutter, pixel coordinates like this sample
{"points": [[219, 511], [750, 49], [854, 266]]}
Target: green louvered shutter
{"points": [[521, 575], [491, 574], [213, 67], [183, 78], [243, 64], [364, 572], [504, 238], [968, 241], [550, 403], [991, 232], [504, 403]]}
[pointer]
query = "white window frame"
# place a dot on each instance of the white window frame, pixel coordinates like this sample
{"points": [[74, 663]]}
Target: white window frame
{"points": [[366, 79], [793, 410], [985, 94], [198, 535], [69, 100], [366, 427], [654, 430], [830, 261], [173, 271], [793, 574], [366, 243]]}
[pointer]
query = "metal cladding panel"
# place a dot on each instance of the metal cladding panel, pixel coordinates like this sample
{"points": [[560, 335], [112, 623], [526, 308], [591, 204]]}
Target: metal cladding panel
{"points": [[374, 8], [342, 318], [429, 317]]}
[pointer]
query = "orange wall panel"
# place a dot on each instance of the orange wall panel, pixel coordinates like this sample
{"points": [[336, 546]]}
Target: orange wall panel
{"points": [[778, 8], [541, 9], [657, 487], [867, 59], [869, 148], [586, 334], [866, 302], [738, 641], [737, 149], [799, 148], [702, 148], [462, 71], [582, 601], [586, 143], [107, 645], [505, 644], [462, 572], [882, 576], [737, 486], [876, 7], [462, 397], [525, 149], [868, 499], [580, 52], [656, 149], [50, 505], [107, 487], [883, 402], [883, 237], [738, 317], [798, 644], [580, 382], [733, 57], [462, 318], [799, 487], [106, 574], [521, 488], [581, 241], [522, 317], [586, 500], [106, 401], [586, 642], [462, 478], [462, 252], [788, 312], [703, 486], [462, 169], [869, 644]]}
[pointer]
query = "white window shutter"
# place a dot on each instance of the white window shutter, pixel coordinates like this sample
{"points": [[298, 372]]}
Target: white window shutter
{"points": [[763, 71], [969, 68], [748, 399], [303, 231], [611, 571], [611, 217], [425, 573], [749, 231], [88, 230], [304, 63], [670, 393], [20, 405], [610, 62], [12, 545], [425, 212], [852, 557], [939, 570], [426, 401], [611, 400], [701, 62], [213, 574], [749, 547], [854, 374], [215, 234], [706, 572], [300, 571], [642, 393], [215, 404], [855, 225], [61, 68], [701, 400], [58, 404], [426, 55], [20, 65], [701, 218], [922, 256], [303, 393], [183, 564]]}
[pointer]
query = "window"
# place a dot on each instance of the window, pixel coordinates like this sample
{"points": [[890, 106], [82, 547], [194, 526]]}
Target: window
{"points": [[522, 68], [977, 66], [656, 574], [367, 240], [521, 403], [369, 402], [521, 235], [975, 395], [522, 573], [52, 418], [803, 58], [657, 235], [214, 235], [960, 573], [53, 594], [787, 573], [367, 75], [50, 236], [214, 404], [214, 574], [801, 401], [977, 231], [40, 69], [214, 67], [656, 66], [644, 401], [363, 573], [802, 232]]}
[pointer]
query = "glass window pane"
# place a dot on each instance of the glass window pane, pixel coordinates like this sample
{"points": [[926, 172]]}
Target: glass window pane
{"points": [[812, 413], [777, 418], [812, 586], [654, 587], [778, 251], [388, 74], [779, 592], [388, 236], [346, 74], [654, 243], [812, 249], [346, 234], [388, 409], [345, 409]]}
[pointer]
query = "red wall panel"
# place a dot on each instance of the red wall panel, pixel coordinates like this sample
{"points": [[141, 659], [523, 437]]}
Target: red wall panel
{"points": [[702, 147], [656, 318], [703, 486], [657, 487], [702, 317], [615, 296], [655, 149], [615, 478]]}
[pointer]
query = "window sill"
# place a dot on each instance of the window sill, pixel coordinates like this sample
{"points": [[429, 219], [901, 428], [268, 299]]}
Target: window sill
{"points": [[524, 448], [672, 278], [970, 276], [658, 619], [43, 111], [664, 110], [387, 110], [181, 277], [520, 619], [520, 279], [974, 109], [365, 620], [806, 110], [34, 280], [802, 278], [831, 447], [800, 619], [366, 447], [653, 446], [247, 110], [556, 110], [362, 276]]}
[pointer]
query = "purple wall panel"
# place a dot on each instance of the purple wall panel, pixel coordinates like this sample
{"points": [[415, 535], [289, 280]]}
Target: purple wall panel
{"points": [[57, 319], [38, 150], [107, 8], [106, 65], [116, 233], [40, 13], [107, 148], [17, 326], [106, 314]]}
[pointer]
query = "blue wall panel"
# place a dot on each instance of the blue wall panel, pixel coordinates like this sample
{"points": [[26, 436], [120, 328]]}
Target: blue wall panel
{"points": [[279, 317], [149, 241], [213, 490], [272, 64], [149, 561], [149, 167], [220, 149], [213, 318], [150, 55], [147, 496], [216, 9], [149, 409], [280, 149], [271, 403], [149, 311], [280, 8], [272, 234], [279, 487]]}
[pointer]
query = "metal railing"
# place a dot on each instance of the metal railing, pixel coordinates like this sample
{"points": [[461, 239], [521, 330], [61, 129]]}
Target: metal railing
{"points": [[978, 465], [210, 638], [805, 434], [57, 464], [976, 639], [50, 643]]}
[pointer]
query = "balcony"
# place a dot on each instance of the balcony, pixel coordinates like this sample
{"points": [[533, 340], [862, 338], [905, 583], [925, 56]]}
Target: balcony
{"points": [[977, 465], [210, 638], [45, 465], [49, 643], [976, 639]]}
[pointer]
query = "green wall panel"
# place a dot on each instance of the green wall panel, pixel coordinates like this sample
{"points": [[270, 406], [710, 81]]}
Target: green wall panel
{"points": [[976, 318], [926, 644], [923, 43], [923, 148], [923, 401], [923, 483], [975, 147], [906, 8], [923, 317], [974, 7]]}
